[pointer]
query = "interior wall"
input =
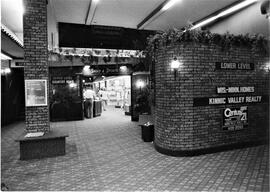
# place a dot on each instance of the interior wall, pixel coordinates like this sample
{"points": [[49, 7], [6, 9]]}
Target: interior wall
{"points": [[249, 20], [182, 124]]}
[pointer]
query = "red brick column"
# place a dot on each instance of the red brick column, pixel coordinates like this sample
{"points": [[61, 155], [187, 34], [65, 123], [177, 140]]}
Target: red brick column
{"points": [[36, 59]]}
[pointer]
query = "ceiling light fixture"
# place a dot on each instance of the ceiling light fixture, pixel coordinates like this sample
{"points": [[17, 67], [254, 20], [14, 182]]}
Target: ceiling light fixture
{"points": [[224, 13], [91, 12], [168, 5], [156, 13]]}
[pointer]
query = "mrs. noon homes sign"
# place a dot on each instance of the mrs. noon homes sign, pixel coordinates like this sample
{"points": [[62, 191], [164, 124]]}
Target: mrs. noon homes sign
{"points": [[231, 99]]}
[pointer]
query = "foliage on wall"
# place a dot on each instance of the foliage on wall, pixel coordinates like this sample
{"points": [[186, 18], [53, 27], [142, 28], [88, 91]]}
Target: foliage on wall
{"points": [[225, 41]]}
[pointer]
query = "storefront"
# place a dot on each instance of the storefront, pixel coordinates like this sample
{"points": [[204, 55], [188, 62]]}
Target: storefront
{"points": [[118, 90], [68, 85]]}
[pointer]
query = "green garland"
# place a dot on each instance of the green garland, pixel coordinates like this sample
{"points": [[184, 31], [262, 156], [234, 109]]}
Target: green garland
{"points": [[225, 41]]}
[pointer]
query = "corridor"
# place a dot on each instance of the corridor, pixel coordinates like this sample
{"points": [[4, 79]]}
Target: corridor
{"points": [[107, 153]]}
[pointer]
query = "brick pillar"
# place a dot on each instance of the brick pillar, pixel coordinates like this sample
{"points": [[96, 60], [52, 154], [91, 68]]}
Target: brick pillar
{"points": [[183, 127], [36, 59]]}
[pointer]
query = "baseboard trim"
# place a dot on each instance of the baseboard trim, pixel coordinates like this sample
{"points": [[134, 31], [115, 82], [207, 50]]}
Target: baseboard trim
{"points": [[196, 152]]}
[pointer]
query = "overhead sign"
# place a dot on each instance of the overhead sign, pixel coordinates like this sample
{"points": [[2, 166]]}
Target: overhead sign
{"points": [[235, 118], [61, 80], [35, 92], [222, 90], [234, 66], [205, 101]]}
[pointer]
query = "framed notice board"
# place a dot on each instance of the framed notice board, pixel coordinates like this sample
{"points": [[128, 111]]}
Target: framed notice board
{"points": [[36, 92]]}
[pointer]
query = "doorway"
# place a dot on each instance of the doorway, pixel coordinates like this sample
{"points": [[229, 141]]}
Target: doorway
{"points": [[113, 92]]}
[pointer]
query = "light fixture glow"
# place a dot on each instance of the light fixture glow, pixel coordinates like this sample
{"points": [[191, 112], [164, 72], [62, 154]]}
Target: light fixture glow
{"points": [[123, 68], [140, 84], [168, 5], [7, 70], [72, 85], [15, 5], [86, 67], [225, 12], [175, 64], [267, 67], [236, 7], [204, 22]]}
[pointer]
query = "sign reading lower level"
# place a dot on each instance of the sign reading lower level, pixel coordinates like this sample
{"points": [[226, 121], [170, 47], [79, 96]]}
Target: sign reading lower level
{"points": [[204, 101], [234, 66]]}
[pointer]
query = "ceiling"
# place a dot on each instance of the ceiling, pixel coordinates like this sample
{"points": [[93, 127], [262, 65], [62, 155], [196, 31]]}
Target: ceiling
{"points": [[129, 13], [118, 13], [121, 13]]}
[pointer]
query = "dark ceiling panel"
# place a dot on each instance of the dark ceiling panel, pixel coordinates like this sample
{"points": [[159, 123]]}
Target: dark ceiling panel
{"points": [[106, 37]]}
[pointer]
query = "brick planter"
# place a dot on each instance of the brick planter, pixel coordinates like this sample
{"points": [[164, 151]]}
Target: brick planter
{"points": [[184, 125]]}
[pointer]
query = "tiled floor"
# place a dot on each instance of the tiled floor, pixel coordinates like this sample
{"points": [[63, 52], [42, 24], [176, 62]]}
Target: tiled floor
{"points": [[107, 153]]}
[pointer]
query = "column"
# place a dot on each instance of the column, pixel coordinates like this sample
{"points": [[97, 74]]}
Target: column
{"points": [[36, 65]]}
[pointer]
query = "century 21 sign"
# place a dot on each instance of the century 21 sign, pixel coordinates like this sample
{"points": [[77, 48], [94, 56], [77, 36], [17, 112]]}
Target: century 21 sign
{"points": [[235, 118]]}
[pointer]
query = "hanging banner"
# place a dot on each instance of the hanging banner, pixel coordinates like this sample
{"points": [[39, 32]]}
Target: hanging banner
{"points": [[35, 92], [235, 118]]}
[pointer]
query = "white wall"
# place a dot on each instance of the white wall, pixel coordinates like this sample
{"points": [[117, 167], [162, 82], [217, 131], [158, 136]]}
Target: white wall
{"points": [[249, 20]]}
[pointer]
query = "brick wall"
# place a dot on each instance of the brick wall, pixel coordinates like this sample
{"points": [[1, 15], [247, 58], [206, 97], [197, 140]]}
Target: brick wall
{"points": [[36, 58], [181, 126]]}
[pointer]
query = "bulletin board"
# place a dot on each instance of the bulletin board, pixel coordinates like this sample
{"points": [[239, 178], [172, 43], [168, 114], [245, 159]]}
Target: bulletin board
{"points": [[35, 92]]}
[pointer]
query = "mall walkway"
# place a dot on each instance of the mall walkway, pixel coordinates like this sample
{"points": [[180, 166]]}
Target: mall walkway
{"points": [[107, 153]]}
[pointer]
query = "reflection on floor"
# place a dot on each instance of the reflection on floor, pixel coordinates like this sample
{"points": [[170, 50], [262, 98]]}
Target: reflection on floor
{"points": [[107, 153]]}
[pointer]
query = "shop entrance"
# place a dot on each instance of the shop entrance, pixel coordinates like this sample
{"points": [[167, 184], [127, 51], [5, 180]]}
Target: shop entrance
{"points": [[111, 92], [78, 96]]}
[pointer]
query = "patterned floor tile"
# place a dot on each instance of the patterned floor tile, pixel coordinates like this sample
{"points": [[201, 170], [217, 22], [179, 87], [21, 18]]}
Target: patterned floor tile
{"points": [[107, 154]]}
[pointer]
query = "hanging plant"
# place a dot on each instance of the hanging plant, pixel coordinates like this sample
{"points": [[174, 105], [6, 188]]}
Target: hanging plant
{"points": [[97, 52], [89, 52], [84, 60], [76, 56], [73, 51], [116, 59], [69, 57], [225, 41], [95, 59], [105, 59]]}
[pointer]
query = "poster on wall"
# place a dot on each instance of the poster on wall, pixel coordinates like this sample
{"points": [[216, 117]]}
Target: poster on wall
{"points": [[235, 118], [35, 92]]}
